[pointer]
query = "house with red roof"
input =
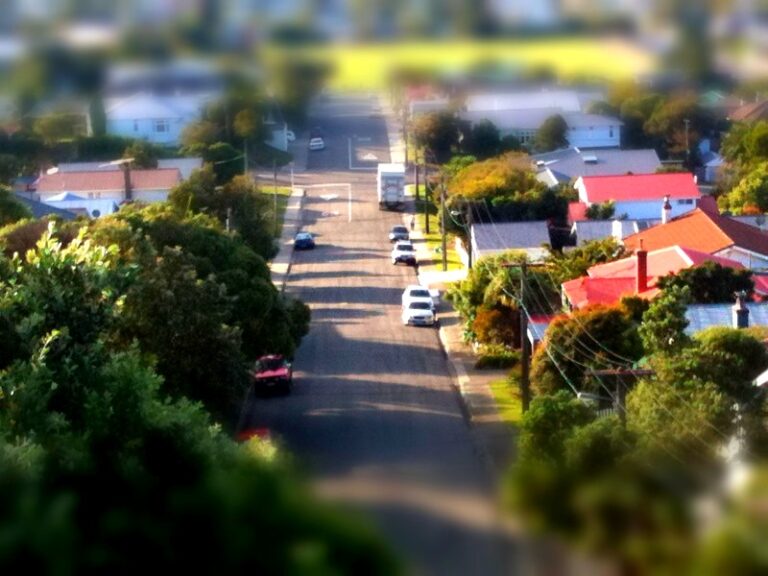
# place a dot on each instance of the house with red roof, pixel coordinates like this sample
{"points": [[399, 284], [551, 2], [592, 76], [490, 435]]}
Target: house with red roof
{"points": [[634, 276], [707, 231], [143, 185], [641, 196]]}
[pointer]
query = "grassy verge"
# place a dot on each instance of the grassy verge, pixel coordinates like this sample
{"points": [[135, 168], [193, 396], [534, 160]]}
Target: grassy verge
{"points": [[434, 239], [506, 392], [278, 196]]}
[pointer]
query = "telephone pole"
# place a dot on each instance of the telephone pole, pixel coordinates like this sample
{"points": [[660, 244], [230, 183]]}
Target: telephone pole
{"points": [[442, 224], [525, 375]]}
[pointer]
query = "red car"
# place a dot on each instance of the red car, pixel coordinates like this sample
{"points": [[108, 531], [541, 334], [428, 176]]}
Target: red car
{"points": [[272, 372]]}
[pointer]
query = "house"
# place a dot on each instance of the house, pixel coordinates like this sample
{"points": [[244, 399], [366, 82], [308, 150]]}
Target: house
{"points": [[91, 207], [417, 107], [185, 166], [145, 185], [741, 315], [527, 237], [709, 232], [41, 210], [641, 196], [566, 165], [584, 130], [633, 276], [589, 230], [159, 119]]}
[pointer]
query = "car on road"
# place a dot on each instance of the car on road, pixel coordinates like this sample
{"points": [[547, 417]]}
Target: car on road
{"points": [[404, 252], [290, 136], [418, 313], [316, 143], [272, 372], [303, 241], [417, 293], [399, 233]]}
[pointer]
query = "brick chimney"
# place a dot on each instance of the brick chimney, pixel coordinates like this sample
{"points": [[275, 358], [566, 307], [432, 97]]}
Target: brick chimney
{"points": [[641, 276], [740, 312], [666, 210]]}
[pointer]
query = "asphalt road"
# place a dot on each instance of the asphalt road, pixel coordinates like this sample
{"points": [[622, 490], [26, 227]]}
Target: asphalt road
{"points": [[374, 417]]}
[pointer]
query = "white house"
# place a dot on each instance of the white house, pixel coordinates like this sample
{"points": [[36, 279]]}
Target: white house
{"points": [[157, 119], [641, 196], [584, 130]]}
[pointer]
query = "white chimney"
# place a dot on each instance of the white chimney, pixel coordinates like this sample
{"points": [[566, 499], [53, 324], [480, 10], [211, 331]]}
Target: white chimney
{"points": [[666, 210], [616, 230], [740, 312]]}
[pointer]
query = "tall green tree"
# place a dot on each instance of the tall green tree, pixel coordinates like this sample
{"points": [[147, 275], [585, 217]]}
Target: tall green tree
{"points": [[552, 134], [11, 209], [437, 133], [663, 327], [711, 283]]}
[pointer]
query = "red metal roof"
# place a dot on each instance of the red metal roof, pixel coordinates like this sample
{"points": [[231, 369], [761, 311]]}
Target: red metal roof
{"points": [[577, 211], [640, 187], [608, 283], [101, 181]]}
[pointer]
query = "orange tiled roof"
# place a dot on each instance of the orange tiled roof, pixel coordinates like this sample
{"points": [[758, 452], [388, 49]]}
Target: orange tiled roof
{"points": [[161, 179], [702, 231]]}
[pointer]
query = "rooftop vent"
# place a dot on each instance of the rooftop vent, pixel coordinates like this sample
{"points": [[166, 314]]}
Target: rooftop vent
{"points": [[591, 159]]}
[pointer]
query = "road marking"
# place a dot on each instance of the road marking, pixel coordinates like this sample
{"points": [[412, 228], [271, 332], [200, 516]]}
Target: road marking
{"points": [[370, 156], [351, 166], [364, 138], [328, 197]]}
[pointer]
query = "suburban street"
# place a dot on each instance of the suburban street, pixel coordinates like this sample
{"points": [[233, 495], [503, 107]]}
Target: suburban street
{"points": [[374, 417]]}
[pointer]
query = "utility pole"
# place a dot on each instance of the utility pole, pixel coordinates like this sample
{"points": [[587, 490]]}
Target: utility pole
{"points": [[274, 193], [525, 376], [442, 223], [687, 144], [469, 235], [427, 195], [620, 391], [416, 169]]}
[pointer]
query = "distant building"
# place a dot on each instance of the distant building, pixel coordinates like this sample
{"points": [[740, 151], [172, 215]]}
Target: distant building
{"points": [[496, 238], [708, 232], [566, 165], [641, 196], [145, 186]]}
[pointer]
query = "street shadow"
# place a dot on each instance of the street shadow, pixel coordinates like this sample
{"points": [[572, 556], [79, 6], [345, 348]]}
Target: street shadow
{"points": [[338, 313], [372, 295], [299, 276]]}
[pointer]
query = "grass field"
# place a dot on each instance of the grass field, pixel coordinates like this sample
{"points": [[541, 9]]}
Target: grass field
{"points": [[279, 197], [368, 66], [507, 396]]}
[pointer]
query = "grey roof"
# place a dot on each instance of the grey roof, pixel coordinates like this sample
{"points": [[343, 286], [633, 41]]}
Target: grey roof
{"points": [[703, 316], [533, 118], [582, 120], [506, 120], [489, 238], [588, 230], [528, 99], [758, 221], [568, 164], [40, 210]]}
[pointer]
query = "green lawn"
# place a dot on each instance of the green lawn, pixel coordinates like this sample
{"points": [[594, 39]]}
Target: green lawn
{"points": [[435, 240], [507, 396], [368, 66], [279, 198]]}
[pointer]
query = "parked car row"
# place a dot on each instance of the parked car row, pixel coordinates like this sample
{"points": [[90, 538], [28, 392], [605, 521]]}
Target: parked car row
{"points": [[419, 304]]}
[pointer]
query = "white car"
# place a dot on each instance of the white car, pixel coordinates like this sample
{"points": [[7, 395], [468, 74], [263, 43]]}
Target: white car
{"points": [[404, 252], [290, 136], [418, 314], [416, 293], [316, 143]]}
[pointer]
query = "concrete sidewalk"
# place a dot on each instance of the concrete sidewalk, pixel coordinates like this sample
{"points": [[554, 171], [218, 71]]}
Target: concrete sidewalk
{"points": [[280, 265]]}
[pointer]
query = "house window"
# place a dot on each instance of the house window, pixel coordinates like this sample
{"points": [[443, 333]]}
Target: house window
{"points": [[610, 131], [162, 126], [685, 201]]}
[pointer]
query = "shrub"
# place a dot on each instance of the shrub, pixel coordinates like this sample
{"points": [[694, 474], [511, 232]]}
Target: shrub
{"points": [[496, 357]]}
